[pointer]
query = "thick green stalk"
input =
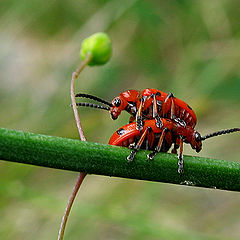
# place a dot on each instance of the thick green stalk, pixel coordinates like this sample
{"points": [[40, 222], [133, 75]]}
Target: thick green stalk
{"points": [[94, 158]]}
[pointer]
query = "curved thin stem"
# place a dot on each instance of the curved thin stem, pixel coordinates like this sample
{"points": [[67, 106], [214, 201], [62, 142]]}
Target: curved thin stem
{"points": [[82, 175], [74, 104], [69, 205]]}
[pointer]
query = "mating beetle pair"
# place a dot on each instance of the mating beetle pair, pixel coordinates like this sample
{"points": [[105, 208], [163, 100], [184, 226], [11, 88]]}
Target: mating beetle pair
{"points": [[161, 120]]}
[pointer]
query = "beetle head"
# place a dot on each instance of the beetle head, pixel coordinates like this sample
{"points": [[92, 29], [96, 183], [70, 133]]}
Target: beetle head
{"points": [[118, 105], [194, 138]]}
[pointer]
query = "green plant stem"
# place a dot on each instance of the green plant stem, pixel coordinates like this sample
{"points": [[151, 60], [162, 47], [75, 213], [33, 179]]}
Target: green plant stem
{"points": [[94, 158]]}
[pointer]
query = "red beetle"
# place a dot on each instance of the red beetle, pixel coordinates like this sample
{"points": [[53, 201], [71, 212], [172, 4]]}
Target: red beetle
{"points": [[160, 139], [148, 104], [156, 137]]}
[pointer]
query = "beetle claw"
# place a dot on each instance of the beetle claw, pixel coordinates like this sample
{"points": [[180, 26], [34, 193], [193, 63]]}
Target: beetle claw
{"points": [[151, 156], [131, 156], [132, 145]]}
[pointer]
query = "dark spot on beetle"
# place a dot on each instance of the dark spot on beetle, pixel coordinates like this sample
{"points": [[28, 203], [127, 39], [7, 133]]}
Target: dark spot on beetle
{"points": [[158, 94], [120, 131], [189, 107]]}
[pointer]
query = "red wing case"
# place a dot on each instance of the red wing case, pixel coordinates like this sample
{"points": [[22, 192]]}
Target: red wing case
{"points": [[123, 134]]}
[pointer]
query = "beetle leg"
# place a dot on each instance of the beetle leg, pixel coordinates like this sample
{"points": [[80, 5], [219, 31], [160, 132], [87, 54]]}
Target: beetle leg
{"points": [[172, 109], [180, 157], [158, 147], [155, 112], [165, 106], [159, 123], [138, 145], [139, 118]]}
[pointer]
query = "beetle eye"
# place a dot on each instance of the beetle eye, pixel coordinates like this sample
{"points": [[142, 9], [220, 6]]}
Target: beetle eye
{"points": [[197, 137], [117, 102]]}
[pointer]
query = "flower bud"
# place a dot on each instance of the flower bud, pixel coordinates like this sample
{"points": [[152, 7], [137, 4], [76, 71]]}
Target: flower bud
{"points": [[100, 47]]}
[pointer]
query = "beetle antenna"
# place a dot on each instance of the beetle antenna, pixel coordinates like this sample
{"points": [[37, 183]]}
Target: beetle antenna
{"points": [[92, 105], [83, 95], [214, 134]]}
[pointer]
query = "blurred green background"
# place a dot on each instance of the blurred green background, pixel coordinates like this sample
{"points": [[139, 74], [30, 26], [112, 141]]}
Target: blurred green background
{"points": [[190, 48]]}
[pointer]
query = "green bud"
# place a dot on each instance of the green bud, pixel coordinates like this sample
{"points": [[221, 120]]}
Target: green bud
{"points": [[100, 46]]}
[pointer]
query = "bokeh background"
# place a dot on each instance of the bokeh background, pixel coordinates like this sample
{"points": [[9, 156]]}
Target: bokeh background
{"points": [[190, 48]]}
